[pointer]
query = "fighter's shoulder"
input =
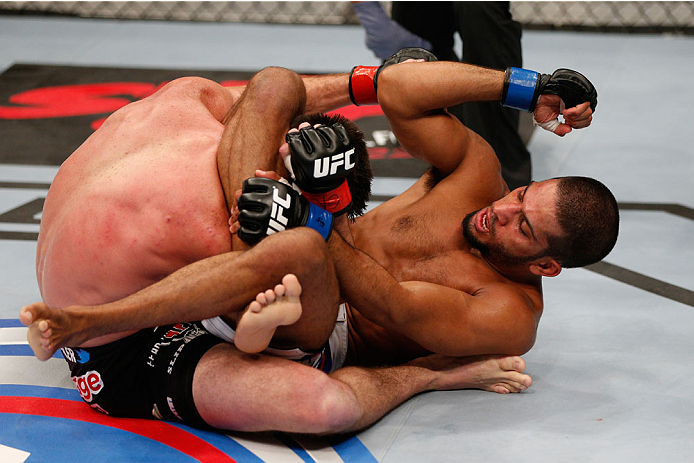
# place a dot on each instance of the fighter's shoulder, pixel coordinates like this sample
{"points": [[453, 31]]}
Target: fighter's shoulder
{"points": [[188, 89], [190, 85]]}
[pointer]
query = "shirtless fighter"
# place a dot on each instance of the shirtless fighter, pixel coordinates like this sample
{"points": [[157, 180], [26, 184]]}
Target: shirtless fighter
{"points": [[482, 286]]}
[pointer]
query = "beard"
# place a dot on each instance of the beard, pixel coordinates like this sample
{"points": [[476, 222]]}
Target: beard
{"points": [[493, 252]]}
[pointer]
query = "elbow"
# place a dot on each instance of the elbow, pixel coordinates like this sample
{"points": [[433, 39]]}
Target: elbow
{"points": [[389, 93]]}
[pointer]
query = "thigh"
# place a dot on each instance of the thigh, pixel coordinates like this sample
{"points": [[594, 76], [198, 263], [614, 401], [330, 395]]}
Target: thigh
{"points": [[255, 392]]}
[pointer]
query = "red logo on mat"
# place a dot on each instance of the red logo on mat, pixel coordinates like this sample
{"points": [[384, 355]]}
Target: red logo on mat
{"points": [[88, 385], [107, 97]]}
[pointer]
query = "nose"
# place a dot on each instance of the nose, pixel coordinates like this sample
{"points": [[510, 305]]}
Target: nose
{"points": [[505, 212]]}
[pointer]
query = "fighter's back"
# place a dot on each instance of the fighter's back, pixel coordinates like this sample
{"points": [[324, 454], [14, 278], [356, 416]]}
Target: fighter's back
{"points": [[138, 200]]}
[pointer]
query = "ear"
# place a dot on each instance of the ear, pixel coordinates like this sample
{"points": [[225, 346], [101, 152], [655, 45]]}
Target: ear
{"points": [[545, 267]]}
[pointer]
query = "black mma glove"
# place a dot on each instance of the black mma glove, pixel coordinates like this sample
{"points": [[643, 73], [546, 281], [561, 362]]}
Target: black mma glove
{"points": [[320, 159], [267, 206], [363, 81], [522, 88]]}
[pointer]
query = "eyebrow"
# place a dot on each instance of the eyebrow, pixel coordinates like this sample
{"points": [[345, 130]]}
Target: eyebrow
{"points": [[532, 232]]}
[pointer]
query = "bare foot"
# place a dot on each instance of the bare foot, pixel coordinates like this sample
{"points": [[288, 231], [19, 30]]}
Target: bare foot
{"points": [[271, 309], [49, 329], [490, 373]]}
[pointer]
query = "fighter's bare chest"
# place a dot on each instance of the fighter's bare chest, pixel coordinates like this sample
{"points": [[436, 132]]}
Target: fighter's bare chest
{"points": [[419, 249]]}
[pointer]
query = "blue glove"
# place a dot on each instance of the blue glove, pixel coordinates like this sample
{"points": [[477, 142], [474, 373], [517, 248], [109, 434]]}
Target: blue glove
{"points": [[383, 35]]}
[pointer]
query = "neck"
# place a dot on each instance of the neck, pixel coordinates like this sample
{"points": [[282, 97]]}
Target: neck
{"points": [[516, 273]]}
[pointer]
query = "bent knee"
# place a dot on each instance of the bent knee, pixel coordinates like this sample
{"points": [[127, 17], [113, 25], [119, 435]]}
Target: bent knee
{"points": [[331, 408], [311, 243], [277, 89], [298, 245]]}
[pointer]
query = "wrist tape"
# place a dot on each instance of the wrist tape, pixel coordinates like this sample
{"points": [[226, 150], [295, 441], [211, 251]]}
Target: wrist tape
{"points": [[520, 86], [361, 85], [320, 220], [334, 201]]}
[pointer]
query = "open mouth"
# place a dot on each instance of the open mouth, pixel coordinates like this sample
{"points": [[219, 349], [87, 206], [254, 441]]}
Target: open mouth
{"points": [[482, 221]]}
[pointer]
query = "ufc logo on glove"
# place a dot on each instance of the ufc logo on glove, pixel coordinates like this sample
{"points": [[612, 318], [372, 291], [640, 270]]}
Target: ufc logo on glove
{"points": [[278, 221], [328, 166]]}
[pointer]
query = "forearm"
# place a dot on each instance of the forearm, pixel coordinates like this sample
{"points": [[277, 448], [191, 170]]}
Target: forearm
{"points": [[416, 88], [326, 93]]}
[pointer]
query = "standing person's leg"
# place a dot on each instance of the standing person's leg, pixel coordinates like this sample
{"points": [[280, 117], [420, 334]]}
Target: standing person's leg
{"points": [[492, 38], [432, 21]]}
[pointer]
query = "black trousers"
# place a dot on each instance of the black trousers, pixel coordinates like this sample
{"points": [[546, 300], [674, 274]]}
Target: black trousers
{"points": [[490, 38]]}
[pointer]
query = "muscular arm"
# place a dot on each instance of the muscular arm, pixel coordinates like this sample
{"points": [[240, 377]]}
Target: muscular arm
{"points": [[326, 92], [443, 320], [257, 123], [413, 96]]}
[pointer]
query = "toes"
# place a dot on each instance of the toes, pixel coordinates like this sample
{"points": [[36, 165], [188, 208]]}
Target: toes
{"points": [[292, 285], [512, 363], [270, 296], [260, 298], [519, 380], [513, 386], [25, 316], [500, 389], [255, 306], [279, 290]]}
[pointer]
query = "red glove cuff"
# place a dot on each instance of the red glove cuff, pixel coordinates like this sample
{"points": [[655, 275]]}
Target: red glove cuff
{"points": [[335, 201], [361, 85]]}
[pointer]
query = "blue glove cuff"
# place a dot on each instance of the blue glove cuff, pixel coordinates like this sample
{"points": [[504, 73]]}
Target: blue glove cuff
{"points": [[519, 88], [320, 220]]}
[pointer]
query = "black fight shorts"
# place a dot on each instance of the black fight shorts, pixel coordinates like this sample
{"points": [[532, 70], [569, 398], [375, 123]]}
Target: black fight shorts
{"points": [[148, 374]]}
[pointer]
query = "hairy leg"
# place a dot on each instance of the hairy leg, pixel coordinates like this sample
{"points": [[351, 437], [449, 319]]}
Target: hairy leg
{"points": [[276, 307], [255, 128], [493, 373], [251, 392], [219, 285]]}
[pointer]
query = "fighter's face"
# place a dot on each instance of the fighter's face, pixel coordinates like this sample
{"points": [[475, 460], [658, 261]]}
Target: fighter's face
{"points": [[514, 229]]}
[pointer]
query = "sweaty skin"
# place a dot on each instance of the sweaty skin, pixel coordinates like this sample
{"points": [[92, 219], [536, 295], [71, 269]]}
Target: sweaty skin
{"points": [[417, 236], [414, 282], [135, 204], [137, 200]]}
